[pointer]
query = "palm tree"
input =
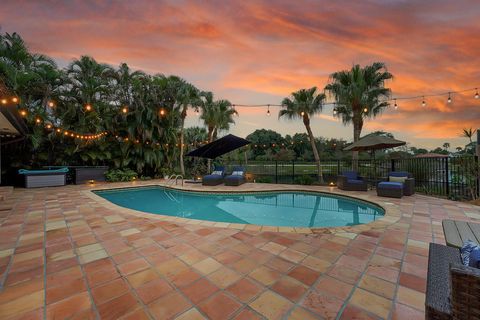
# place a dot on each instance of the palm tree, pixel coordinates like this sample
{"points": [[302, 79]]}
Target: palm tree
{"points": [[360, 94], [468, 133], [189, 96], [216, 115], [304, 104], [446, 146]]}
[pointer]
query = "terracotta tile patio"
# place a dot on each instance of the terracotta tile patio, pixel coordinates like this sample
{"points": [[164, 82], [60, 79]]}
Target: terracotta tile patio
{"points": [[65, 253]]}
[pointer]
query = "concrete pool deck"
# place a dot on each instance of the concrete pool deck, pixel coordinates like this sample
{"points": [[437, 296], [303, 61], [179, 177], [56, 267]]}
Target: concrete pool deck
{"points": [[67, 253]]}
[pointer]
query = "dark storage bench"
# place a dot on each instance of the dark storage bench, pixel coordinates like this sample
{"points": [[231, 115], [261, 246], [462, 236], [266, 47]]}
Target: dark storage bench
{"points": [[85, 174]]}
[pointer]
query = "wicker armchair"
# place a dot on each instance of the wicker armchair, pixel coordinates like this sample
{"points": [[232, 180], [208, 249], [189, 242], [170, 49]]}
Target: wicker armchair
{"points": [[453, 290], [351, 181], [408, 185]]}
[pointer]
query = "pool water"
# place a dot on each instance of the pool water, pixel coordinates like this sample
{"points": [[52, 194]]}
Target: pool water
{"points": [[293, 209]]}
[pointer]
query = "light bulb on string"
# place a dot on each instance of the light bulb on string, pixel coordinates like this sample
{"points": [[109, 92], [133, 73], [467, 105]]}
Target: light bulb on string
{"points": [[197, 111], [476, 94], [49, 126], [23, 113], [424, 104], [4, 101], [15, 100], [335, 111], [51, 104], [449, 100], [365, 110], [302, 113], [88, 107], [124, 109], [268, 110], [395, 106], [162, 112], [38, 120]]}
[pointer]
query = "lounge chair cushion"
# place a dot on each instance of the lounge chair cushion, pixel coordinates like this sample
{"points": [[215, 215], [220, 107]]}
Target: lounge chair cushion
{"points": [[397, 179], [237, 173], [217, 173], [390, 185], [468, 251], [351, 175]]}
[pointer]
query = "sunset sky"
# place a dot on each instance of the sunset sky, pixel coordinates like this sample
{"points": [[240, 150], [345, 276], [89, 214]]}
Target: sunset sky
{"points": [[254, 52]]}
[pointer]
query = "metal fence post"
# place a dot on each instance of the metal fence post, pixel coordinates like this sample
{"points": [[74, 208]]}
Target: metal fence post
{"points": [[276, 171], [392, 166], [293, 171], [338, 167], [478, 175], [447, 173]]}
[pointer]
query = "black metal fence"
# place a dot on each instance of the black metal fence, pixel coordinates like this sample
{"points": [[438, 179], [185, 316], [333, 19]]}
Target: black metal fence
{"points": [[453, 177]]}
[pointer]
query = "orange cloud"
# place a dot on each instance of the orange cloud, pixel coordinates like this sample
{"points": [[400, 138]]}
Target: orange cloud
{"points": [[259, 52]]}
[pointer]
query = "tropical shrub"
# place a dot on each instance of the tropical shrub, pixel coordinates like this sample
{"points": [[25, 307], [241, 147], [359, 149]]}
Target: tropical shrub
{"points": [[305, 180], [117, 175]]}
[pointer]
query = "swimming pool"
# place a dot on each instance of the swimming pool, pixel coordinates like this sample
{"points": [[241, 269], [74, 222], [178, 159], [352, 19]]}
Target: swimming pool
{"points": [[279, 208]]}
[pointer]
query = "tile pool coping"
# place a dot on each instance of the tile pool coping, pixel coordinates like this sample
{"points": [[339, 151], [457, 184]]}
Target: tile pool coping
{"points": [[391, 211]]}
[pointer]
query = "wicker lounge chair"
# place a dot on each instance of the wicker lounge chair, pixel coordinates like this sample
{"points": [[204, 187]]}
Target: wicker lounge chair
{"points": [[394, 189], [215, 178], [236, 178], [452, 288], [351, 181]]}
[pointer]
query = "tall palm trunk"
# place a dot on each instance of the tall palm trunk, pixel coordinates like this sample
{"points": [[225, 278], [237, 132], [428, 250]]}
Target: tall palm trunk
{"points": [[210, 139], [357, 131], [182, 138], [306, 122]]}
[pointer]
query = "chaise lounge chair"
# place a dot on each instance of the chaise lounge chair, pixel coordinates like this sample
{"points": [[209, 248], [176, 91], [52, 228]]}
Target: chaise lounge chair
{"points": [[351, 181], [215, 178], [398, 184], [236, 178]]}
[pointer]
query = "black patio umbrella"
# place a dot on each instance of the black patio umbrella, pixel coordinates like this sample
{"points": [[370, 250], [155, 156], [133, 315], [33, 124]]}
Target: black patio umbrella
{"points": [[219, 147], [372, 142]]}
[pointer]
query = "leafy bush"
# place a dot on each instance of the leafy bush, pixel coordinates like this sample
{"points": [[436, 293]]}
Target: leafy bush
{"points": [[263, 179], [305, 180], [116, 175]]}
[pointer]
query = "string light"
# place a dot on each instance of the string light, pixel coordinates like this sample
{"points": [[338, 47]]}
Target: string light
{"points": [[365, 110], [197, 111], [424, 104], [335, 111], [38, 120], [162, 112], [302, 113], [88, 107], [449, 100], [51, 104], [23, 113], [125, 110], [4, 101], [395, 106], [268, 110], [15, 100], [49, 126], [476, 94]]}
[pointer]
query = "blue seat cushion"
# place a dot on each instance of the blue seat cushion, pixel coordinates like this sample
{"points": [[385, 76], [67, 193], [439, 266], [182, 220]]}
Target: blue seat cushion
{"points": [[390, 185], [355, 181], [351, 175], [213, 177], [234, 177]]}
